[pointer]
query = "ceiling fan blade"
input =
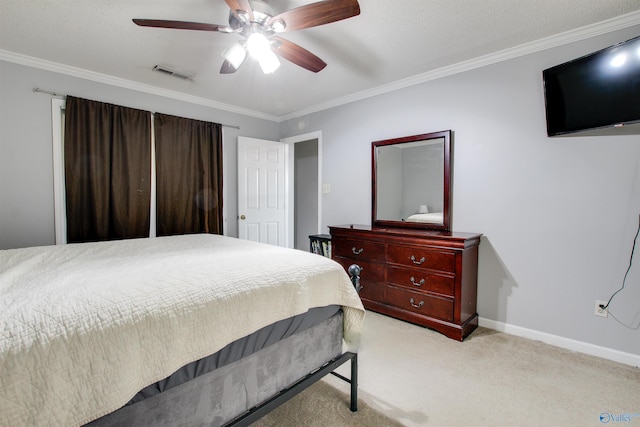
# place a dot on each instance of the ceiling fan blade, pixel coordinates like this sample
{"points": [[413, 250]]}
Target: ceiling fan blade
{"points": [[227, 68], [314, 14], [297, 54], [181, 25], [240, 5]]}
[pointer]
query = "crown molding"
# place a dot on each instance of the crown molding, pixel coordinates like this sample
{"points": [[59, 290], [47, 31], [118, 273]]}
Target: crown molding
{"points": [[603, 27], [55, 67]]}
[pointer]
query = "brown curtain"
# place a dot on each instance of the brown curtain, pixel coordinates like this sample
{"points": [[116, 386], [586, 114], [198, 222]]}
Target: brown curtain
{"points": [[107, 151], [188, 175]]}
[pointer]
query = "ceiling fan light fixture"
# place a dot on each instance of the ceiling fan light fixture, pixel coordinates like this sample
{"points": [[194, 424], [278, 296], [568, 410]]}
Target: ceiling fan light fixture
{"points": [[259, 48], [278, 26], [235, 54], [243, 16], [257, 45], [269, 62], [256, 22]]}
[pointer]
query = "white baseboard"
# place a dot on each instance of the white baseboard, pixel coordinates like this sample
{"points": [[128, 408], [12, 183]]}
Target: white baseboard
{"points": [[567, 343]]}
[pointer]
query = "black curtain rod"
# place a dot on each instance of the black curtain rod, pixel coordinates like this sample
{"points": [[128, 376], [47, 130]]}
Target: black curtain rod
{"points": [[38, 90]]}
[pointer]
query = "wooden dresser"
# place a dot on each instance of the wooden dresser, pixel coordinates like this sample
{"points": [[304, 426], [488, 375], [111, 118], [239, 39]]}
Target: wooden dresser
{"points": [[420, 276]]}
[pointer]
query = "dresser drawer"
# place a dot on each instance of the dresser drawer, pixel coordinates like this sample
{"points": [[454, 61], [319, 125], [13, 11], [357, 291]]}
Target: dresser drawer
{"points": [[359, 249], [373, 291], [426, 305], [370, 270], [422, 280], [420, 257]]}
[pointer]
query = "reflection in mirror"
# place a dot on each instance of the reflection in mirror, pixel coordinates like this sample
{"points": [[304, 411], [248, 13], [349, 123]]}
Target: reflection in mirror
{"points": [[411, 181]]}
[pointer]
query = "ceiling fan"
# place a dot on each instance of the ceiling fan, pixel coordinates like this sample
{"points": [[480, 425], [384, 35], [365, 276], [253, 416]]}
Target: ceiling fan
{"points": [[256, 22]]}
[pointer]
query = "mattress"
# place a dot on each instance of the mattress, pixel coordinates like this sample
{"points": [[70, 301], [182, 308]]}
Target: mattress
{"points": [[84, 327]]}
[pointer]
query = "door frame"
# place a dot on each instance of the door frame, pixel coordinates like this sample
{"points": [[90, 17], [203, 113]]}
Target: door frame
{"points": [[290, 202]]}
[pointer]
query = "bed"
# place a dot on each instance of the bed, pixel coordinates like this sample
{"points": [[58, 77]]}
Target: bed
{"points": [[426, 217], [195, 329]]}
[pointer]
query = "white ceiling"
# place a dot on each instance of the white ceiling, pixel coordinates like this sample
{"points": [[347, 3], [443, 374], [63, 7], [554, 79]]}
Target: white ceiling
{"points": [[391, 41]]}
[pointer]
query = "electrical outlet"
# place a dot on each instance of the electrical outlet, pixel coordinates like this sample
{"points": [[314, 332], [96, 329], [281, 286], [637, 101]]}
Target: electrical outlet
{"points": [[599, 310]]}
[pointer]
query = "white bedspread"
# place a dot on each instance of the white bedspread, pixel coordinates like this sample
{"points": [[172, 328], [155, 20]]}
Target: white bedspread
{"points": [[84, 327]]}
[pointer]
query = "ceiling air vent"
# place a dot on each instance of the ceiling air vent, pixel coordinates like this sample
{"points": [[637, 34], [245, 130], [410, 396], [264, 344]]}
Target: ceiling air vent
{"points": [[168, 71]]}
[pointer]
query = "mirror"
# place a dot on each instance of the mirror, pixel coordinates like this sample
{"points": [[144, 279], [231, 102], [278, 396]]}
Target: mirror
{"points": [[411, 181]]}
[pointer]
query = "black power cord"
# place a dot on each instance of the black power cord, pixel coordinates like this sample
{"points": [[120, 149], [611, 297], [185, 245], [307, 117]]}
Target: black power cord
{"points": [[633, 248]]}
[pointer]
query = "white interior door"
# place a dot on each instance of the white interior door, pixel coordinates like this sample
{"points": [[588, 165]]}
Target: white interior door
{"points": [[262, 169]]}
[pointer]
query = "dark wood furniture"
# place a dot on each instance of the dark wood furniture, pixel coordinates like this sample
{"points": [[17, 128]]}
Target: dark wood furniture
{"points": [[424, 277], [408, 172]]}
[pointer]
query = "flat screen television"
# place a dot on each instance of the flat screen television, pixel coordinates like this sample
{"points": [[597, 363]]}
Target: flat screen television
{"points": [[598, 90]]}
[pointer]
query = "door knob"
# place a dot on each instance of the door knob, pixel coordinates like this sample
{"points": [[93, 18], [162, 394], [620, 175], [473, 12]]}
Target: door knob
{"points": [[243, 217]]}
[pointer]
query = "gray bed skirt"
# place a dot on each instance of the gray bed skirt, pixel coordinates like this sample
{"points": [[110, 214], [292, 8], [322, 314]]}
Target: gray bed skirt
{"points": [[227, 392]]}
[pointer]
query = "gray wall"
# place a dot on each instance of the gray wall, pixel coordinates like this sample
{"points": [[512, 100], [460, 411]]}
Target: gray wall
{"points": [[306, 192], [26, 164], [558, 215]]}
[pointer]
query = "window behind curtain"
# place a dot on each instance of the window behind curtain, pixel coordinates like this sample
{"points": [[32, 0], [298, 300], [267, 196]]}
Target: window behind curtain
{"points": [[107, 161], [188, 175]]}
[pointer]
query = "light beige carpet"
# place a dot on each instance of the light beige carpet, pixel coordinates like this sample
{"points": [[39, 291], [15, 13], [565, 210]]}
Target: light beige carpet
{"points": [[324, 406], [418, 377]]}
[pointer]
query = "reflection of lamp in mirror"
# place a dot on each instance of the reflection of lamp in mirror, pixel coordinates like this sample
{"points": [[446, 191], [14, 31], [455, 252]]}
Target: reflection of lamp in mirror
{"points": [[423, 209]]}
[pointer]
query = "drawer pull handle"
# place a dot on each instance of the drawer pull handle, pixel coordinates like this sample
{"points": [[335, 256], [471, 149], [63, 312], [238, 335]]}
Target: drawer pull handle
{"points": [[420, 283], [357, 251], [413, 259], [413, 304]]}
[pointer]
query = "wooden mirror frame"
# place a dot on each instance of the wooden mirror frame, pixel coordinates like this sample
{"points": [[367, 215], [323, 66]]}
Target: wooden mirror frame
{"points": [[445, 225]]}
